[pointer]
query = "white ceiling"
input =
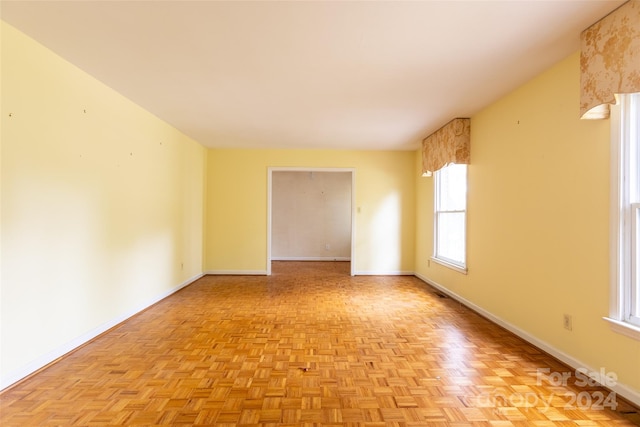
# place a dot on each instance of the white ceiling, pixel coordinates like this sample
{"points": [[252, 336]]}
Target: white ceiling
{"points": [[376, 75]]}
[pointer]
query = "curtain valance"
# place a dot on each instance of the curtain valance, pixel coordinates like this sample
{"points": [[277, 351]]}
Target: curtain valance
{"points": [[609, 60], [449, 144]]}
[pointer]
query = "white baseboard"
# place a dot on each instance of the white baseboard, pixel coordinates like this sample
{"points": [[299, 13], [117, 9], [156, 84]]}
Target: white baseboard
{"points": [[236, 272], [310, 258], [620, 389], [42, 361], [383, 273]]}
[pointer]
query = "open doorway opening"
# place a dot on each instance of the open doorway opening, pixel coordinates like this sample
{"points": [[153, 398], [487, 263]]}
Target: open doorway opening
{"points": [[311, 215]]}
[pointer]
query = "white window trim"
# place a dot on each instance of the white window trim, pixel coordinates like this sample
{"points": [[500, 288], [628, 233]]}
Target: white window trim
{"points": [[621, 244], [635, 257], [449, 264], [446, 262]]}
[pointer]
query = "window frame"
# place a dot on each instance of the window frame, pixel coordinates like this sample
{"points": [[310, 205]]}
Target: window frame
{"points": [[437, 190], [634, 296], [624, 309]]}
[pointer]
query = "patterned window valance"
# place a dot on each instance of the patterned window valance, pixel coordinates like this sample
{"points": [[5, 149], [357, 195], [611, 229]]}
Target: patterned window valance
{"points": [[449, 144], [609, 60]]}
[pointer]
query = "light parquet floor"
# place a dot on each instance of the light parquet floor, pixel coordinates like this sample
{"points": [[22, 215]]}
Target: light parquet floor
{"points": [[307, 346]]}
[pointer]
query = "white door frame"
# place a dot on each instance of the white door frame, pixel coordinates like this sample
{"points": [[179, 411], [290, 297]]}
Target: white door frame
{"points": [[303, 169]]}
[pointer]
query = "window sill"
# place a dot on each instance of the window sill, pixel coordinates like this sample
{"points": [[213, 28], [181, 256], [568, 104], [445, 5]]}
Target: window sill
{"points": [[624, 328], [449, 265]]}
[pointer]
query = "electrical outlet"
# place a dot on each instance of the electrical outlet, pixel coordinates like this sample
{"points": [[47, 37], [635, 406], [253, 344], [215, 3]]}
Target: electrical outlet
{"points": [[567, 322], [327, 247]]}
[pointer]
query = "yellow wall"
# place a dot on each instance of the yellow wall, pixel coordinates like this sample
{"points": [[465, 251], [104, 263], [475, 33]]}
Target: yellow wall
{"points": [[538, 222], [236, 224], [102, 206], [102, 212]]}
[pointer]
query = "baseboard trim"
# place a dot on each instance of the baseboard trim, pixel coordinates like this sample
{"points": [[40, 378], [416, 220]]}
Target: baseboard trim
{"points": [[384, 273], [624, 391], [236, 273], [13, 378], [311, 258]]}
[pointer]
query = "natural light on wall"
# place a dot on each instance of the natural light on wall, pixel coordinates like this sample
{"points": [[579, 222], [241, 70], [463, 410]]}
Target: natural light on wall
{"points": [[385, 228]]}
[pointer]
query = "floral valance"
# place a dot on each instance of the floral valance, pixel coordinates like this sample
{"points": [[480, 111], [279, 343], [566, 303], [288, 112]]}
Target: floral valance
{"points": [[610, 60], [449, 144]]}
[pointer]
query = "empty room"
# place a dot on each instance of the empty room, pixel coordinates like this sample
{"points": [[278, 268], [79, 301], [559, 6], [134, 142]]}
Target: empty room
{"points": [[320, 213]]}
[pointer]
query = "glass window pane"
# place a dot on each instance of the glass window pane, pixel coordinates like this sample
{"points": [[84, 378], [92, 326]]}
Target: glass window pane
{"points": [[452, 181], [634, 147], [451, 236]]}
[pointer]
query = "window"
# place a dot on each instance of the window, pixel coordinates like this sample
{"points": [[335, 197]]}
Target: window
{"points": [[450, 216], [625, 215]]}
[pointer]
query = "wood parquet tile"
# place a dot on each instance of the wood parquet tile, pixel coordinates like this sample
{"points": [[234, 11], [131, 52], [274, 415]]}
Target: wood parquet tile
{"points": [[307, 346]]}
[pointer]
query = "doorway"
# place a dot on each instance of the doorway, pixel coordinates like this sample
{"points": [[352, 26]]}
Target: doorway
{"points": [[311, 215]]}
